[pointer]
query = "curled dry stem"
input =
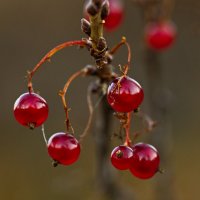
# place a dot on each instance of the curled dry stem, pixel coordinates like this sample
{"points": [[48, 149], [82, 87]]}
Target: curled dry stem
{"points": [[114, 50], [148, 124], [47, 57], [91, 109], [63, 92]]}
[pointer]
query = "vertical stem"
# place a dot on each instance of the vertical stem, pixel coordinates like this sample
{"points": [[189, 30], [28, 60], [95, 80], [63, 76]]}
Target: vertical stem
{"points": [[158, 100], [96, 29], [127, 130]]}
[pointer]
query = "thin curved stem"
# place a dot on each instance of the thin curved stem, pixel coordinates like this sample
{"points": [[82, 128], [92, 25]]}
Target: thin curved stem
{"points": [[63, 92], [114, 50], [49, 55], [148, 124], [91, 111]]}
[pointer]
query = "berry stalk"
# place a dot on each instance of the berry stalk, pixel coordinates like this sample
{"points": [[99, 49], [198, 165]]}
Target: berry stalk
{"points": [[47, 57], [127, 130], [117, 47], [63, 92]]}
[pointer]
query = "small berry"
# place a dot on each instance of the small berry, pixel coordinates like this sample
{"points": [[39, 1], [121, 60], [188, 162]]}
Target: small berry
{"points": [[145, 161], [124, 94], [30, 110], [120, 157], [115, 16], [63, 148], [160, 35]]}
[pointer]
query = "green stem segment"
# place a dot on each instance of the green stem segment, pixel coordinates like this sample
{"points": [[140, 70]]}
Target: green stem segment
{"points": [[96, 29]]}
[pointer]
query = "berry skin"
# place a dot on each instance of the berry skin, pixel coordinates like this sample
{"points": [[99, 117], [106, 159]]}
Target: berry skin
{"points": [[115, 16], [121, 156], [124, 94], [160, 35], [30, 110], [145, 161], [63, 148]]}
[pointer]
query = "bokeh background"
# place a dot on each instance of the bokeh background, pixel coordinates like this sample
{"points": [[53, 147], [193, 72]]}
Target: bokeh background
{"points": [[28, 29]]}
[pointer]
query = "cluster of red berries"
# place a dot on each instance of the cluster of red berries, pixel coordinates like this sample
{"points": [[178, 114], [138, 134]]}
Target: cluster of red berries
{"points": [[125, 95], [141, 159], [31, 110]]}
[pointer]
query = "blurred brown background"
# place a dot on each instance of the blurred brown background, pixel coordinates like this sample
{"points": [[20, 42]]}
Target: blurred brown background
{"points": [[28, 29]]}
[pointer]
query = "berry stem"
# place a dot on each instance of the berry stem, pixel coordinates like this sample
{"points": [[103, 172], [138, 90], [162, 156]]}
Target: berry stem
{"points": [[63, 92], [127, 130], [91, 110], [47, 57], [43, 134], [115, 48]]}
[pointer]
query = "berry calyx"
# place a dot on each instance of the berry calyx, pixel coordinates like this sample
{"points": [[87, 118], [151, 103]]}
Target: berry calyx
{"points": [[31, 110], [124, 94], [63, 148], [115, 16], [160, 35], [121, 156], [145, 161]]}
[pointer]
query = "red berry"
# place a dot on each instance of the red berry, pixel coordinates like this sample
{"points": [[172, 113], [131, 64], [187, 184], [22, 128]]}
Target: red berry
{"points": [[63, 148], [121, 156], [115, 16], [145, 161], [30, 110], [124, 95], [160, 35]]}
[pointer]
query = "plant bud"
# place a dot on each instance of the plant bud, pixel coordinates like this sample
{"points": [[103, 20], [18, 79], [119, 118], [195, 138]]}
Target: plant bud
{"points": [[101, 45], [91, 8], [97, 3], [85, 26], [105, 10]]}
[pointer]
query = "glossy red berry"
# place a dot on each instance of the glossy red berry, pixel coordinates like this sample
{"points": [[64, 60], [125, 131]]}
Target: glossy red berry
{"points": [[160, 35], [30, 110], [121, 156], [116, 15], [124, 95], [145, 161], [63, 148]]}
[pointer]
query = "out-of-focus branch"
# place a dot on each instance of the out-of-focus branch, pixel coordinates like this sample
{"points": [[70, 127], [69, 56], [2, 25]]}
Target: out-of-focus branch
{"points": [[158, 103]]}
